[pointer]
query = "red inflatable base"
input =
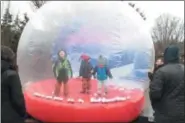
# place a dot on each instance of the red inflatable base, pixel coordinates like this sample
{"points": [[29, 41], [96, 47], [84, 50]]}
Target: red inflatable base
{"points": [[48, 110]]}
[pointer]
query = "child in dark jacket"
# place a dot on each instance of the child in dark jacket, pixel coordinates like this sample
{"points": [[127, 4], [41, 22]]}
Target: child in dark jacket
{"points": [[85, 72], [62, 71], [101, 72]]}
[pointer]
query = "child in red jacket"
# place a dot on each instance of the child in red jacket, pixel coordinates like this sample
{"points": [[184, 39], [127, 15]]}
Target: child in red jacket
{"points": [[86, 73]]}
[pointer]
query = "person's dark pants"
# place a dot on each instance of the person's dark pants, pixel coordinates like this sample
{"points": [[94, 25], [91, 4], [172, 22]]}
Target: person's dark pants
{"points": [[86, 85], [62, 79], [58, 86]]}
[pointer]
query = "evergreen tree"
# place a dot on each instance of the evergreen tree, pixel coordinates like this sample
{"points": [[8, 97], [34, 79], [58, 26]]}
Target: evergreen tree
{"points": [[168, 29], [11, 30], [6, 26], [16, 33], [24, 22]]}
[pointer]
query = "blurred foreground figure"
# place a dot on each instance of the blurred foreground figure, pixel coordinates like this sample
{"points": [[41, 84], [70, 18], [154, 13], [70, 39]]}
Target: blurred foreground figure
{"points": [[12, 100], [148, 109], [167, 89]]}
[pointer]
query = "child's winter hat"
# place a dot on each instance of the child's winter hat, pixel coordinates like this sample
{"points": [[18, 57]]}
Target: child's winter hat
{"points": [[102, 60], [85, 57]]}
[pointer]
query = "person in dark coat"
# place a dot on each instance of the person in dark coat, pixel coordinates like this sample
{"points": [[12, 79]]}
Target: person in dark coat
{"points": [[149, 109], [85, 72], [12, 100], [167, 89]]}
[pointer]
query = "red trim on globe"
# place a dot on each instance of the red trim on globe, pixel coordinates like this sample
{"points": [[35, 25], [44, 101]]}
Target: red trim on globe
{"points": [[61, 111]]}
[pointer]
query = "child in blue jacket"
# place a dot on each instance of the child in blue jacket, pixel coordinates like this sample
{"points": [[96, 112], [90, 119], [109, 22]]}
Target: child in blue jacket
{"points": [[102, 72]]}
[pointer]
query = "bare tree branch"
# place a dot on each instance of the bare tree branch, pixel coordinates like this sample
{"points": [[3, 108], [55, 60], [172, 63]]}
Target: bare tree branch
{"points": [[167, 30]]}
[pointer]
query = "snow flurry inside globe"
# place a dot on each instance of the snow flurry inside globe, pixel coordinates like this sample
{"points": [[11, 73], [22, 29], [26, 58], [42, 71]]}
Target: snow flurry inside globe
{"points": [[110, 29]]}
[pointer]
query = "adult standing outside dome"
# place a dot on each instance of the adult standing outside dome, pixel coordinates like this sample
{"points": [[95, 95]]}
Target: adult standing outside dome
{"points": [[12, 100], [167, 89]]}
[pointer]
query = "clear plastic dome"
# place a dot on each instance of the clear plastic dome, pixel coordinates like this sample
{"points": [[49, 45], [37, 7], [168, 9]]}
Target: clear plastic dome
{"points": [[109, 28]]}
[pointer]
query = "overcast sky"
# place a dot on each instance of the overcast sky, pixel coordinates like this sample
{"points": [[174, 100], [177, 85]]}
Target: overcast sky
{"points": [[152, 9]]}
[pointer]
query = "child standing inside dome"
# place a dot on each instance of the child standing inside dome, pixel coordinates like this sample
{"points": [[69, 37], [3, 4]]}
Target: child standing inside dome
{"points": [[101, 72], [85, 72], [62, 71]]}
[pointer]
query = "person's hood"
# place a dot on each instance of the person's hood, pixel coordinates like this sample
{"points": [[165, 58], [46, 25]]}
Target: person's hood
{"points": [[102, 61], [157, 67], [171, 54], [5, 66]]}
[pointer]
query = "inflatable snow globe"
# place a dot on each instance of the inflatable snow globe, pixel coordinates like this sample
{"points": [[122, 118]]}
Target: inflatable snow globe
{"points": [[67, 34]]}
